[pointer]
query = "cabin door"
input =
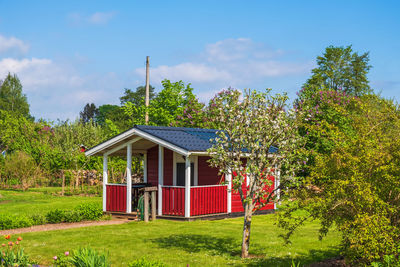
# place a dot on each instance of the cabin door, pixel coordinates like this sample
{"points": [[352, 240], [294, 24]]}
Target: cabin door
{"points": [[180, 174]]}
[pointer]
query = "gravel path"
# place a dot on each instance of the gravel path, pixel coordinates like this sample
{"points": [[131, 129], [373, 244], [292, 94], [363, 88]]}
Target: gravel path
{"points": [[60, 226]]}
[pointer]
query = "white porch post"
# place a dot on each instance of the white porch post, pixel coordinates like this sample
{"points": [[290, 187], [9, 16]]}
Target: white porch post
{"points": [[160, 177], [229, 198], [129, 178], [145, 167], [187, 187], [105, 181]]}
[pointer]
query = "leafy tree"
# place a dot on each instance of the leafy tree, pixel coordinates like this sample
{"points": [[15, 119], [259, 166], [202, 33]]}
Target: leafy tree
{"points": [[113, 118], [175, 99], [250, 129], [11, 97], [356, 185], [339, 69], [90, 112], [137, 97]]}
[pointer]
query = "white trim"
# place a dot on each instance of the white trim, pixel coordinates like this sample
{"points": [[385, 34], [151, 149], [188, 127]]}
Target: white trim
{"points": [[110, 142], [145, 167], [129, 178], [117, 184], [228, 178], [160, 176], [135, 131], [187, 187], [277, 184], [130, 142], [105, 180], [201, 186], [196, 170], [170, 186]]}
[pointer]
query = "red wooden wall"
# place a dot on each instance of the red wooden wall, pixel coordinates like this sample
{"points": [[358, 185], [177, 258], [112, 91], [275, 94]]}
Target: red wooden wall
{"points": [[116, 198], [152, 165], [208, 200], [207, 175], [237, 203], [173, 201], [168, 166]]}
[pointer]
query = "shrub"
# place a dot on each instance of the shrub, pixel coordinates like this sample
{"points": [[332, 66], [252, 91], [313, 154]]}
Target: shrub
{"points": [[8, 221], [72, 216], [55, 216], [143, 262], [88, 257], [90, 211], [22, 169], [38, 219]]}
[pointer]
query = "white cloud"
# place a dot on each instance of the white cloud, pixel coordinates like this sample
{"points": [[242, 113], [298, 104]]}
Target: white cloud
{"points": [[12, 44], [235, 62], [97, 18], [101, 17]]}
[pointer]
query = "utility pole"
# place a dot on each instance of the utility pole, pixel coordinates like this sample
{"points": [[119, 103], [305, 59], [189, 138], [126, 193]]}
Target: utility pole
{"points": [[146, 118]]}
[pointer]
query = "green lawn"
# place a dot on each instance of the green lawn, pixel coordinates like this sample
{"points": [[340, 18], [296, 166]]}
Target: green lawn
{"points": [[38, 201], [199, 243]]}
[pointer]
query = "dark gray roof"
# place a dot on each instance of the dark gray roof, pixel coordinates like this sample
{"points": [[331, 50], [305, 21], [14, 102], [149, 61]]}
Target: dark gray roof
{"points": [[190, 139]]}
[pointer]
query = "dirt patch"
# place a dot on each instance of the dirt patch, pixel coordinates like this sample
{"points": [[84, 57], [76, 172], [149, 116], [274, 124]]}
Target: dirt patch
{"points": [[61, 226], [334, 262], [5, 201]]}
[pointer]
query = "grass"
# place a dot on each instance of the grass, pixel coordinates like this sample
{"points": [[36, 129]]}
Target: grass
{"points": [[198, 243], [38, 201]]}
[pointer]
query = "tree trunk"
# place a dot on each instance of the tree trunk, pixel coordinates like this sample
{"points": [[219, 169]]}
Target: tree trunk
{"points": [[246, 231]]}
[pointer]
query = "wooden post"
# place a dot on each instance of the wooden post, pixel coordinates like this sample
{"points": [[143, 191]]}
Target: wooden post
{"points": [[105, 181], [146, 206], [129, 178], [160, 177], [153, 205], [187, 187], [146, 118]]}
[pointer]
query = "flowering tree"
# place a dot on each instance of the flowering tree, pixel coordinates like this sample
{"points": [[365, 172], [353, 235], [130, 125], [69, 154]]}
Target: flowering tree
{"points": [[249, 129]]}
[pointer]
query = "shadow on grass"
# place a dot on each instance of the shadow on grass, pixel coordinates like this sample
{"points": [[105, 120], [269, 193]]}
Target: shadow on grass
{"points": [[199, 243], [313, 256], [230, 247]]}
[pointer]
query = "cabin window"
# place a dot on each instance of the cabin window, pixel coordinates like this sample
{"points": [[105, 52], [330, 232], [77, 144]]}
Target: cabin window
{"points": [[180, 174]]}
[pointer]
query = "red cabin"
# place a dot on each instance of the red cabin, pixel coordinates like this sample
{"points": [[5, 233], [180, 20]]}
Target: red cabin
{"points": [[174, 160]]}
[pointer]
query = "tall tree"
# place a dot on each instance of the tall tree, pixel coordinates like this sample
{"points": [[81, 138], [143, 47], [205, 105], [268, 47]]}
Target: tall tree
{"points": [[137, 97], [89, 112], [11, 97], [173, 103], [250, 129], [340, 69]]}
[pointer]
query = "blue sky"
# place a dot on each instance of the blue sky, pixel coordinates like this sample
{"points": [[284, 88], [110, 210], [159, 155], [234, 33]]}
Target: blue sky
{"points": [[68, 53]]}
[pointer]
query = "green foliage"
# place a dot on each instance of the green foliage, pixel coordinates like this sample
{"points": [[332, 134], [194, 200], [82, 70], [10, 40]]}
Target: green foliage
{"points": [[20, 167], [174, 105], [12, 253], [88, 257], [55, 216], [89, 113], [340, 69], [143, 262], [90, 211], [11, 97], [9, 221], [137, 97], [355, 186]]}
